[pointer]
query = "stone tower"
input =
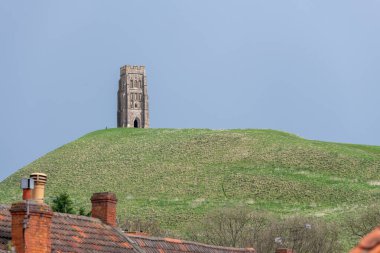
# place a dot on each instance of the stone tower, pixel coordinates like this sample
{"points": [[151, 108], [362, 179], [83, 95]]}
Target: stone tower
{"points": [[132, 98]]}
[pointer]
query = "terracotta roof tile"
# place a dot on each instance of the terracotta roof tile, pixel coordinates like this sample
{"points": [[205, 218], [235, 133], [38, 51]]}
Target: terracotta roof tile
{"points": [[80, 234], [170, 245], [371, 240], [74, 233], [5, 226], [172, 240], [369, 243]]}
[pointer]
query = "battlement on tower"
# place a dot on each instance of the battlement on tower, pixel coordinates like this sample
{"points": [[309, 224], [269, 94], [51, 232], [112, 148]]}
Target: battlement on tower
{"points": [[132, 69]]}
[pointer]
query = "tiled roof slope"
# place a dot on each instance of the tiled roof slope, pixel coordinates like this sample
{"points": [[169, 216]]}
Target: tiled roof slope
{"points": [[169, 245], [80, 234], [369, 243], [75, 234], [5, 227]]}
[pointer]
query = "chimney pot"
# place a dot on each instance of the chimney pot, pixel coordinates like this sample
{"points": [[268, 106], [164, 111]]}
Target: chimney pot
{"points": [[27, 186], [27, 194], [104, 207], [38, 193]]}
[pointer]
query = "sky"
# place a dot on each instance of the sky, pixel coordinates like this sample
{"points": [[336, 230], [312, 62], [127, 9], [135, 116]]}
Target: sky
{"points": [[309, 67]]}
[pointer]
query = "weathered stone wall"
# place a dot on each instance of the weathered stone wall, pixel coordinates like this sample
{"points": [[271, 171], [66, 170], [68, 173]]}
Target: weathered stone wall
{"points": [[133, 110]]}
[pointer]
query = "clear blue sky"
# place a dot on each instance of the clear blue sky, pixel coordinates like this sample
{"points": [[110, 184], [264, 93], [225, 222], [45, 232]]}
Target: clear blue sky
{"points": [[307, 67]]}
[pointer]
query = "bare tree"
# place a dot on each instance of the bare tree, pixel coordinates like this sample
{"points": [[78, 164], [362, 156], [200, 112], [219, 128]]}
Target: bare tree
{"points": [[301, 234], [239, 227], [234, 227]]}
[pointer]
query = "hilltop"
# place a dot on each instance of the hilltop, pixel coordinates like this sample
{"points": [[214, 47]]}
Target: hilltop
{"points": [[177, 175]]}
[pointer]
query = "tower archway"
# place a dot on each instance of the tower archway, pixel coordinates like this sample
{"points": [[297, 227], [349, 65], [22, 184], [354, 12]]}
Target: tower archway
{"points": [[136, 123]]}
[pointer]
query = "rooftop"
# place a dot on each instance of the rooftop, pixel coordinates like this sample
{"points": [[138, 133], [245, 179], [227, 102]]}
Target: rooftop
{"points": [[170, 245], [81, 234]]}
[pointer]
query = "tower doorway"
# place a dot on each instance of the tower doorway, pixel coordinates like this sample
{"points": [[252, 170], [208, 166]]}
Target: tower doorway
{"points": [[136, 123]]}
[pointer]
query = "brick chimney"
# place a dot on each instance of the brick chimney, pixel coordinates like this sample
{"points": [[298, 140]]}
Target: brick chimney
{"points": [[31, 222], [104, 207]]}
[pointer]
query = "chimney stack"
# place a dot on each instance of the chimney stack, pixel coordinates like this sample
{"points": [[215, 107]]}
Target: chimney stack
{"points": [[38, 193], [31, 222], [104, 207]]}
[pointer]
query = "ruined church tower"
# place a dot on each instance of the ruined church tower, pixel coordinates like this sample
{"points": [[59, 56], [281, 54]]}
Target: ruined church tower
{"points": [[132, 98]]}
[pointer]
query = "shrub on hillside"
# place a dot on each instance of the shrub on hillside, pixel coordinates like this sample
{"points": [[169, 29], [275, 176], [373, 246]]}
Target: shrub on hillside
{"points": [[365, 222], [63, 203]]}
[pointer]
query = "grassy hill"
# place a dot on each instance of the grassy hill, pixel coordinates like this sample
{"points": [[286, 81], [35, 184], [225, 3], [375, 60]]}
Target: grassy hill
{"points": [[177, 175]]}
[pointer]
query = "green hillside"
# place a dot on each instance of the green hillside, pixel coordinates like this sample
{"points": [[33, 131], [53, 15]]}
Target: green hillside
{"points": [[176, 175]]}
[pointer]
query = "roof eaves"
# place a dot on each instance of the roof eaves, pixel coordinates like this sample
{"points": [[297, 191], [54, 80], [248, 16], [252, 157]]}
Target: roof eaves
{"points": [[133, 243], [172, 240]]}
